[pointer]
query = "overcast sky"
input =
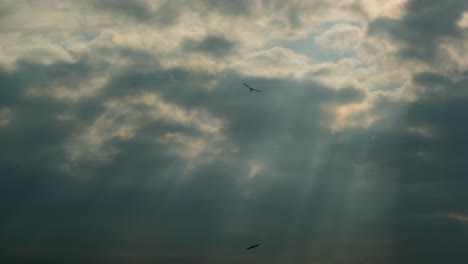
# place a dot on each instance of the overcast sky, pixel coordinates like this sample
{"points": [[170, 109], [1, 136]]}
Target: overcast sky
{"points": [[127, 136]]}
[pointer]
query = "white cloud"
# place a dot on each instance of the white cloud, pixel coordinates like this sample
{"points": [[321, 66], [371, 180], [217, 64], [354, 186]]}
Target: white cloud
{"points": [[463, 22], [5, 116], [378, 8], [255, 168], [196, 150], [422, 131], [341, 37], [82, 89], [460, 217], [456, 59], [72, 29], [123, 118], [354, 115], [463, 218], [276, 62]]}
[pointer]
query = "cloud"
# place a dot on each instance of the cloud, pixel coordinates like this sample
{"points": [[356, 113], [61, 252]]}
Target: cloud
{"points": [[126, 130], [425, 23], [463, 22], [161, 13], [216, 46], [459, 217], [274, 62], [151, 139], [341, 37]]}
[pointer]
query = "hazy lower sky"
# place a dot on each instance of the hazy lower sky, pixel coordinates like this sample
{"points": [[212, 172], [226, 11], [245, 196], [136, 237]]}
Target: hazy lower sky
{"points": [[127, 136]]}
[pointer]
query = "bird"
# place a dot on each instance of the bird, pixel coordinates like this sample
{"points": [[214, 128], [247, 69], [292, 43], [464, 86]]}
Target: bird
{"points": [[252, 89], [253, 246]]}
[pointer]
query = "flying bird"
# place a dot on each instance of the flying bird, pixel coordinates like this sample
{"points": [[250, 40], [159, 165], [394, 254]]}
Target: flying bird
{"points": [[253, 246], [252, 89]]}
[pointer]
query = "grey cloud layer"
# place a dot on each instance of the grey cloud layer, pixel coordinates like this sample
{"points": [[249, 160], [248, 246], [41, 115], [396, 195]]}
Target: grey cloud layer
{"points": [[141, 182], [423, 27], [214, 45], [114, 157]]}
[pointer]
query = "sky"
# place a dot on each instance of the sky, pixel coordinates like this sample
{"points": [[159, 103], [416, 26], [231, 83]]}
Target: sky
{"points": [[127, 135]]}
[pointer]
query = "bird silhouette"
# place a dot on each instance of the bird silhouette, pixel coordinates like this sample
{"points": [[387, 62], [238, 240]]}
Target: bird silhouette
{"points": [[253, 246], [252, 89]]}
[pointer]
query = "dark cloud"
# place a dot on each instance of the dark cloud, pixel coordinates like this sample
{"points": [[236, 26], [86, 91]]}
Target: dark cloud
{"points": [[432, 79], [165, 15], [357, 8], [10, 88], [142, 196], [134, 9], [422, 28], [214, 45], [309, 190], [429, 170], [4, 11], [275, 174], [237, 8]]}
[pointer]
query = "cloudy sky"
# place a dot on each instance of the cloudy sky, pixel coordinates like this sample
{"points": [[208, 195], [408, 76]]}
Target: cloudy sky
{"points": [[127, 136]]}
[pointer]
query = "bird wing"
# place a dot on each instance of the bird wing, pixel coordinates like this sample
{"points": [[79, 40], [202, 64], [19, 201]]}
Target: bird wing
{"points": [[253, 246], [252, 89]]}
